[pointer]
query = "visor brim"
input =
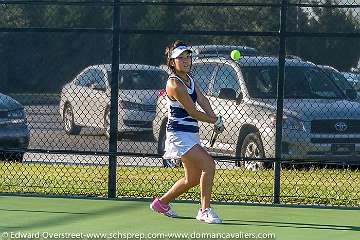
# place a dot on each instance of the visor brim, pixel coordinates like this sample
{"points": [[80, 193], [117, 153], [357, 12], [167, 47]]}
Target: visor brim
{"points": [[179, 50]]}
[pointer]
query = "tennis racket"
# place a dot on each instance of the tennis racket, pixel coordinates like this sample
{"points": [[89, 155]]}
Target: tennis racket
{"points": [[213, 138]]}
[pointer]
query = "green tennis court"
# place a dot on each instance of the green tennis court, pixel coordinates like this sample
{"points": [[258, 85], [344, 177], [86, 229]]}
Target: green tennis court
{"points": [[76, 218]]}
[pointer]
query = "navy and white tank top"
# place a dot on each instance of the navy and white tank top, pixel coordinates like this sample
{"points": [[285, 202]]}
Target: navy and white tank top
{"points": [[178, 118]]}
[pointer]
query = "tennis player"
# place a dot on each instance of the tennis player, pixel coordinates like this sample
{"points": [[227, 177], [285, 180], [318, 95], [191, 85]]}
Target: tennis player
{"points": [[182, 134]]}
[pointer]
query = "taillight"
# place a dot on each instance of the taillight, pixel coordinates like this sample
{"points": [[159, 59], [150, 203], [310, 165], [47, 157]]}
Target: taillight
{"points": [[162, 93]]}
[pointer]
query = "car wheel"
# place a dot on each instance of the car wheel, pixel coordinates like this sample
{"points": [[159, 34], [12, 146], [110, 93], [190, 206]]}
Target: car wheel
{"points": [[161, 149], [107, 125], [69, 124], [17, 157], [13, 157], [252, 148]]}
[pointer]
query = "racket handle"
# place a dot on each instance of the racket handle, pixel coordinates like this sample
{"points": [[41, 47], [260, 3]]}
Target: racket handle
{"points": [[213, 139]]}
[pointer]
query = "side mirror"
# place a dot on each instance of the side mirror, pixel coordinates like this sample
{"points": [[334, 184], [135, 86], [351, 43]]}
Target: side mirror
{"points": [[227, 93], [239, 98], [351, 93]]}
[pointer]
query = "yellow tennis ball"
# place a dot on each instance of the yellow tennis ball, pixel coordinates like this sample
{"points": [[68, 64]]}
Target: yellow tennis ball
{"points": [[235, 55]]}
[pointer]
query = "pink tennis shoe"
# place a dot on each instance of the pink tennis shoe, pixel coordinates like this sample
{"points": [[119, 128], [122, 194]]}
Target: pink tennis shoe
{"points": [[162, 208]]}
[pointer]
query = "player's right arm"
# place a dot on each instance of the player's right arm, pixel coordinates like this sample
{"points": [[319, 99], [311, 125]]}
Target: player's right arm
{"points": [[177, 90]]}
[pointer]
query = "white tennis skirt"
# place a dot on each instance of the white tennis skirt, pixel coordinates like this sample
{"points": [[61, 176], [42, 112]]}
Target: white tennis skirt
{"points": [[179, 143]]}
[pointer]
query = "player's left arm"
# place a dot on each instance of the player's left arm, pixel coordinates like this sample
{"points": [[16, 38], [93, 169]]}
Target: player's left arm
{"points": [[203, 102]]}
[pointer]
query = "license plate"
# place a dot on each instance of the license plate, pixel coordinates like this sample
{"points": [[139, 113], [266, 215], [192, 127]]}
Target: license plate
{"points": [[342, 148]]}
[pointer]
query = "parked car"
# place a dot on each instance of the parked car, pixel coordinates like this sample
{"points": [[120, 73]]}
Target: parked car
{"points": [[353, 78], [85, 101], [319, 120], [199, 51], [14, 131]]}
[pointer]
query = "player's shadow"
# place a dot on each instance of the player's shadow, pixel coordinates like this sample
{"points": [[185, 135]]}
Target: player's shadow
{"points": [[185, 217], [291, 225], [235, 222]]}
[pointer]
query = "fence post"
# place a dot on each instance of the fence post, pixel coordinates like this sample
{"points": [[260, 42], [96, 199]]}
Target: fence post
{"points": [[280, 102], [114, 101]]}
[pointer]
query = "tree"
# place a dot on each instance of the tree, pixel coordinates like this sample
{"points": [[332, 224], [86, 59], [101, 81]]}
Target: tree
{"points": [[43, 62], [10, 16], [341, 53]]}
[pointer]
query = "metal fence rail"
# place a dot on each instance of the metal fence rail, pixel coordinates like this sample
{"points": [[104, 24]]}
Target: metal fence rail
{"points": [[290, 103]]}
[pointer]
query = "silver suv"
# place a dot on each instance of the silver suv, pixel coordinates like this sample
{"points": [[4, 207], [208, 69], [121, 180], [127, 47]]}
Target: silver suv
{"points": [[319, 122], [14, 131]]}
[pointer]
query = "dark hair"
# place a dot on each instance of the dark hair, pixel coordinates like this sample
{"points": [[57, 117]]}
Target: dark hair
{"points": [[168, 51]]}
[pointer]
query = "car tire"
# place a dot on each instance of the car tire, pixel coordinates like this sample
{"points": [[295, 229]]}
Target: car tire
{"points": [[69, 125], [252, 147], [12, 157], [161, 149], [107, 125], [17, 157]]}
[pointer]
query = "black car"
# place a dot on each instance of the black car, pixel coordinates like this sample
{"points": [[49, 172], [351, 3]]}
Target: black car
{"points": [[14, 132]]}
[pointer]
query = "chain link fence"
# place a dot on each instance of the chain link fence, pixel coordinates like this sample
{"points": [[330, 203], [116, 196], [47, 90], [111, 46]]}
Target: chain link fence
{"points": [[290, 103]]}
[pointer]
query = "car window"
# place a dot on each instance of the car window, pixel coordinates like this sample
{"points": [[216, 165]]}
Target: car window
{"points": [[320, 84], [297, 83], [338, 78], [226, 77], [98, 78], [84, 79], [91, 76], [352, 76], [300, 82], [260, 81], [142, 79], [202, 73], [264, 80]]}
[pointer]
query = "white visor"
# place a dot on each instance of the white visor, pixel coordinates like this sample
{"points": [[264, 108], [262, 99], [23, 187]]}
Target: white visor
{"points": [[179, 50]]}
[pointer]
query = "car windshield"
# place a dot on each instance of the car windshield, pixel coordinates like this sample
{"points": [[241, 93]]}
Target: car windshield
{"points": [[142, 79], [300, 82], [338, 78], [352, 76]]}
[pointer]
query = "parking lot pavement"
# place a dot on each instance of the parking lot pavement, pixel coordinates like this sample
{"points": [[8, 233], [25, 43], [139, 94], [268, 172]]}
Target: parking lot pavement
{"points": [[47, 133]]}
